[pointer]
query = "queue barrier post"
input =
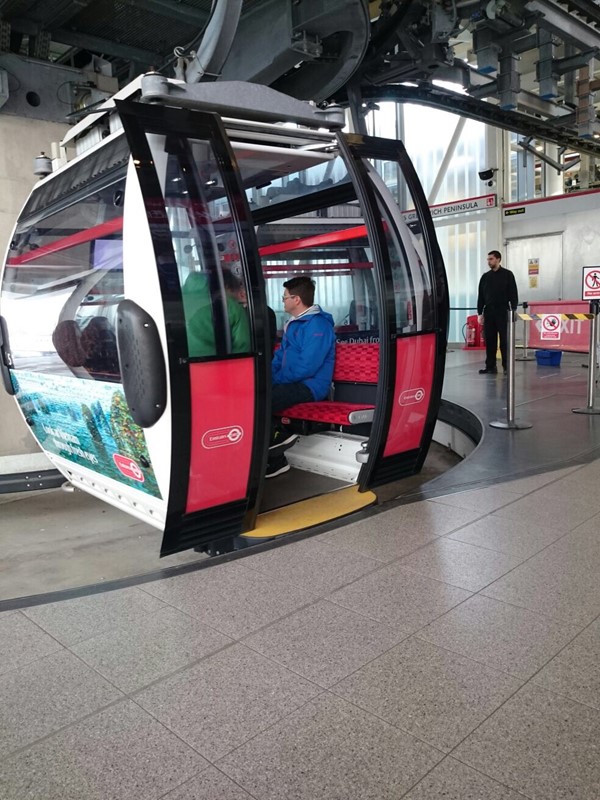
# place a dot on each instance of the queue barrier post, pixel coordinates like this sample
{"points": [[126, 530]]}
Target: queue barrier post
{"points": [[525, 356], [591, 406], [510, 423]]}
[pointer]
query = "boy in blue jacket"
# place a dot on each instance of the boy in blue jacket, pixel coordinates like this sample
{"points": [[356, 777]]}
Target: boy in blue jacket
{"points": [[302, 368]]}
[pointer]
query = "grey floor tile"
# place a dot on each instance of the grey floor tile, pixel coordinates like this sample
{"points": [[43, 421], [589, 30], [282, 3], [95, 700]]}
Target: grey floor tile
{"points": [[509, 536], [209, 785], [312, 564], [438, 696], [575, 671], [72, 621], [460, 564], [401, 530], [231, 598], [330, 750], [578, 550], [550, 508], [502, 636], [41, 697], [532, 482], [120, 753], [482, 500], [451, 780], [134, 655], [545, 586], [397, 596], [221, 702], [541, 744], [21, 642], [325, 642], [580, 487]]}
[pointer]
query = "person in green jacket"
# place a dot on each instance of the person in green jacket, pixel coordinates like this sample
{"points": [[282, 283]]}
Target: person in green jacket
{"points": [[197, 305]]}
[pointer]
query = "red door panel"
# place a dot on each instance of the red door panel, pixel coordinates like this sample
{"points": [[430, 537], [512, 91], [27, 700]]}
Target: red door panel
{"points": [[415, 360], [221, 432]]}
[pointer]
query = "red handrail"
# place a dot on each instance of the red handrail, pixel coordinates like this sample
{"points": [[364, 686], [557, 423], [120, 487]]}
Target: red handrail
{"points": [[81, 237]]}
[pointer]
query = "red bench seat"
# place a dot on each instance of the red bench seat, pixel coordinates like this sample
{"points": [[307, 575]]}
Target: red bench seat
{"points": [[354, 364]]}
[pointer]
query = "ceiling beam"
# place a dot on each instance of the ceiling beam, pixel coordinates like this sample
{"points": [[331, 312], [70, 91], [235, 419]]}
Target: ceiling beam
{"points": [[62, 12], [566, 26], [106, 47], [176, 11]]}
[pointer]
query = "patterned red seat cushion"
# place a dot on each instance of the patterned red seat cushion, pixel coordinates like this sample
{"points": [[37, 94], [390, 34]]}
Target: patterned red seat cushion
{"points": [[325, 411], [356, 363]]}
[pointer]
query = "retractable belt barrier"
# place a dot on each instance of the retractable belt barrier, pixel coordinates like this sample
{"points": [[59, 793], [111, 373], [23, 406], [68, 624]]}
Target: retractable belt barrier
{"points": [[591, 407], [525, 356], [510, 423], [593, 350], [560, 316]]}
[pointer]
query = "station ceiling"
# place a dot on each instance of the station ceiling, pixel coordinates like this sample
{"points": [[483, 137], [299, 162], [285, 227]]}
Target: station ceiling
{"points": [[530, 66]]}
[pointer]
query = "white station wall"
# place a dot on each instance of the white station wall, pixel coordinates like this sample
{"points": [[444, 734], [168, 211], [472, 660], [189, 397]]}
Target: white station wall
{"points": [[575, 217]]}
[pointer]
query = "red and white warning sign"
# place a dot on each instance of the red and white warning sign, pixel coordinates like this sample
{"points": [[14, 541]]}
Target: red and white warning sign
{"points": [[591, 283], [550, 327]]}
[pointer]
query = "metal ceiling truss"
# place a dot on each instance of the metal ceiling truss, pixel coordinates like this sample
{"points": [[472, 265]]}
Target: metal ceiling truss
{"points": [[535, 61]]}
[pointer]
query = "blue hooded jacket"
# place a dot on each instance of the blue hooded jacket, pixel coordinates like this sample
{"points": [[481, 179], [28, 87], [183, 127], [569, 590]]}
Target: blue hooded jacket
{"points": [[307, 352]]}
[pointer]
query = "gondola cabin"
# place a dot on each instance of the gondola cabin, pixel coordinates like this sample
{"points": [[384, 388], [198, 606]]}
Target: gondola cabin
{"points": [[136, 331]]}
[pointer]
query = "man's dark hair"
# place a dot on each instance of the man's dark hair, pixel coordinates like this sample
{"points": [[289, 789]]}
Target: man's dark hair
{"points": [[496, 253], [303, 287], [231, 282]]}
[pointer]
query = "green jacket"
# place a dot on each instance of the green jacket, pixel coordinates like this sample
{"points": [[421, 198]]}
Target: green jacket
{"points": [[197, 306]]}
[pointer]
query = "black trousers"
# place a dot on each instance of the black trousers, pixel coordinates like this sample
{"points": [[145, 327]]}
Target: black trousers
{"points": [[284, 395], [495, 326]]}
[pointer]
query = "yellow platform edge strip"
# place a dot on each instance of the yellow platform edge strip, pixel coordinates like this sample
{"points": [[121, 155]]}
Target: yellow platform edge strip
{"points": [[307, 513]]}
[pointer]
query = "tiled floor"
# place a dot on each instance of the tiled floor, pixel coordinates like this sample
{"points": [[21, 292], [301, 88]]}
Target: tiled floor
{"points": [[462, 662], [447, 649]]}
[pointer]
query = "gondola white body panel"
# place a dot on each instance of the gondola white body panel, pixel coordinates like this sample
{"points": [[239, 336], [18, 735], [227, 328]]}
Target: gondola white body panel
{"points": [[138, 292]]}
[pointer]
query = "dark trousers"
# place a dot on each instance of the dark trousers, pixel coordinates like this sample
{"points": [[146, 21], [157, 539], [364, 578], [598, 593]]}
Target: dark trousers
{"points": [[284, 395], [495, 325]]}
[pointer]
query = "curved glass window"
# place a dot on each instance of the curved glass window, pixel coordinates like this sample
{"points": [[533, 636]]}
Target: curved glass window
{"points": [[61, 286], [207, 250]]}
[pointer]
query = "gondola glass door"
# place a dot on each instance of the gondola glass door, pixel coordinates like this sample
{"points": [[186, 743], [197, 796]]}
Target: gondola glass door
{"points": [[414, 317], [212, 300]]}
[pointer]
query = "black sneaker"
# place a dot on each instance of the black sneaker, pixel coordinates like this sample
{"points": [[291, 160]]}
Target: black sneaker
{"points": [[282, 439], [487, 371], [277, 466]]}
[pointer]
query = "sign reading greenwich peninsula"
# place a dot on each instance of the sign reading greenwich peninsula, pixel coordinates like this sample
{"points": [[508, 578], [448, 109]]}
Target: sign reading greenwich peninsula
{"points": [[456, 207]]}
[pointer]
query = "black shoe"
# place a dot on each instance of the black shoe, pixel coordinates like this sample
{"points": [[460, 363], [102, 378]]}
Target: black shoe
{"points": [[282, 439], [277, 466], [488, 371]]}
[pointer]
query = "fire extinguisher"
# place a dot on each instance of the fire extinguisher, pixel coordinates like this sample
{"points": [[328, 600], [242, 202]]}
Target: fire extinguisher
{"points": [[472, 331]]}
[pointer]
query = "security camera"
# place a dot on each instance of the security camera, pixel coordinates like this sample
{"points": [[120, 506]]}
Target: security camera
{"points": [[486, 174]]}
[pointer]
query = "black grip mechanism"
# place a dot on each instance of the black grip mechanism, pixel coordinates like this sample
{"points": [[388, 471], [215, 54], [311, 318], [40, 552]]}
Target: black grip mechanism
{"points": [[6, 361], [142, 363]]}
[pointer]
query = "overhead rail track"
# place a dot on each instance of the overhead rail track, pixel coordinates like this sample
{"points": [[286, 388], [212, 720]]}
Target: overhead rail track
{"points": [[483, 112]]}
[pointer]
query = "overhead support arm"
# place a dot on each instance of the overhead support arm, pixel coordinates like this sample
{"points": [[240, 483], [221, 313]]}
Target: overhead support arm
{"points": [[525, 145], [216, 42]]}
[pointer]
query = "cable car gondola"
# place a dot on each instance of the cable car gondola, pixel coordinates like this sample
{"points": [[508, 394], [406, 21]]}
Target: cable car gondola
{"points": [[141, 376]]}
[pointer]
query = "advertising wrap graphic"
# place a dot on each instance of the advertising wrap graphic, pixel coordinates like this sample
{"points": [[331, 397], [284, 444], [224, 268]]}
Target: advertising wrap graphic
{"points": [[88, 423]]}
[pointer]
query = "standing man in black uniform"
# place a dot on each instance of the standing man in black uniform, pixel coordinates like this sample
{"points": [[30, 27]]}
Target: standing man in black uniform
{"points": [[497, 292]]}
